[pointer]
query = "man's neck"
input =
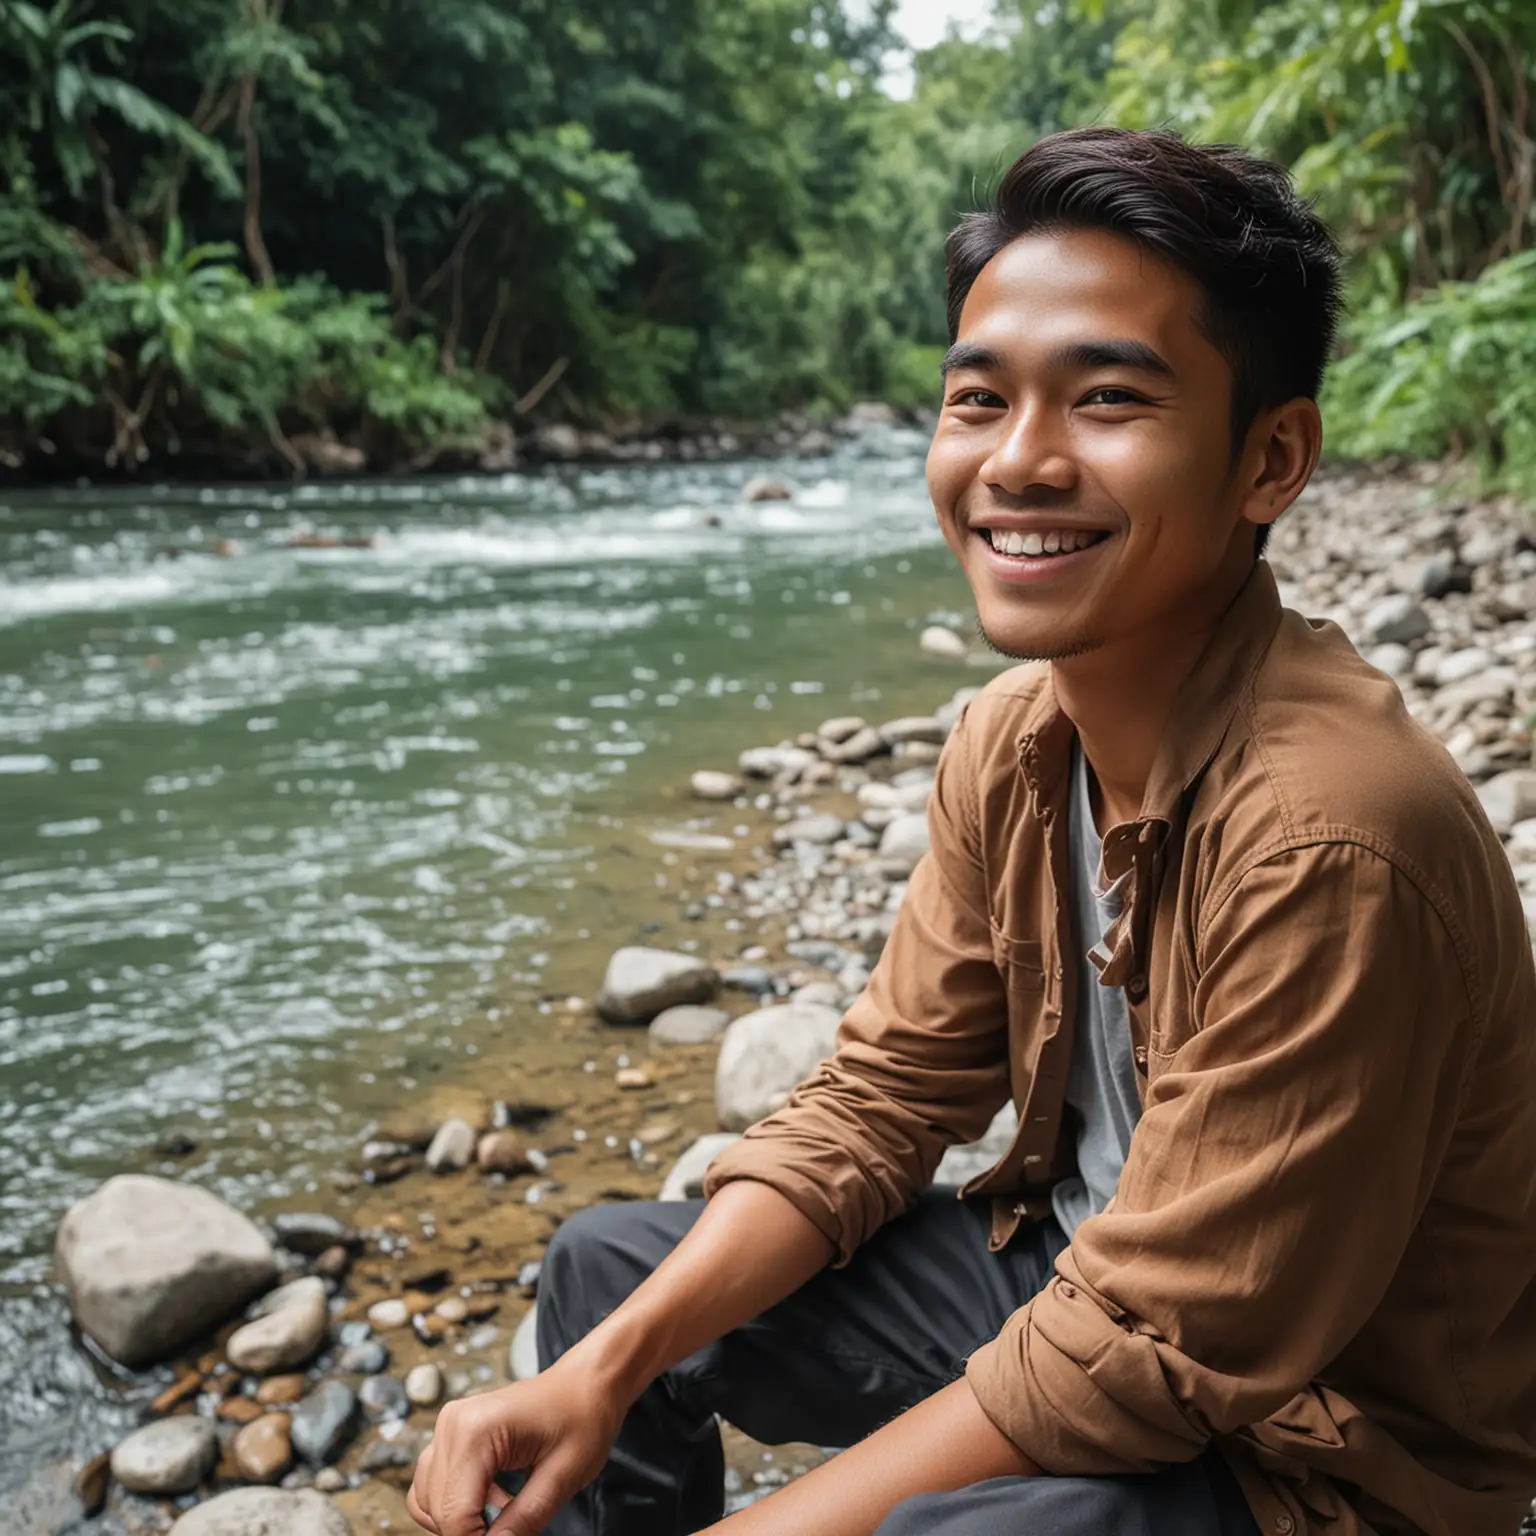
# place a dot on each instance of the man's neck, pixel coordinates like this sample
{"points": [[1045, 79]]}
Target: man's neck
{"points": [[1120, 698]]}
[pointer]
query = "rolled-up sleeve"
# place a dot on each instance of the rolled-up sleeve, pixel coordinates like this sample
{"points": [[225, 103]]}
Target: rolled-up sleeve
{"points": [[1284, 1157], [921, 1060]]}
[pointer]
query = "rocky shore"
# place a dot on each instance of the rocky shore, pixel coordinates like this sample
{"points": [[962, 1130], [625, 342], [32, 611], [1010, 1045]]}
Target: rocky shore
{"points": [[290, 1367]]}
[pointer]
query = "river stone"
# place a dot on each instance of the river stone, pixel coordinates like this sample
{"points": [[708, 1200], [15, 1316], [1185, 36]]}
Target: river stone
{"points": [[383, 1397], [502, 1152], [283, 1339], [770, 762], [938, 641], [840, 729], [641, 982], [707, 784], [523, 1352], [150, 1264], [821, 829], [453, 1147], [263, 1450], [905, 840], [311, 1233], [764, 488], [171, 1456], [1508, 798], [424, 1385], [1397, 618], [392, 1312], [858, 748], [265, 1512], [365, 1359], [961, 1164], [295, 1293], [321, 1421], [915, 728], [1460, 665], [685, 1179], [764, 1054], [688, 1025]]}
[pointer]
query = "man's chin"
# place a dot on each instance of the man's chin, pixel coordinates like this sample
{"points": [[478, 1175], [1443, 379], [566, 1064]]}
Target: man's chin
{"points": [[1023, 645]]}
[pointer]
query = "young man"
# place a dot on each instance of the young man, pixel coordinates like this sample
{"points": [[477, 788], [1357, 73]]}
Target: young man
{"points": [[1226, 924]]}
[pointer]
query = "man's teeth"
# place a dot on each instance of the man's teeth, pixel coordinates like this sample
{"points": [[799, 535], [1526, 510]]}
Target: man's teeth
{"points": [[1056, 542]]}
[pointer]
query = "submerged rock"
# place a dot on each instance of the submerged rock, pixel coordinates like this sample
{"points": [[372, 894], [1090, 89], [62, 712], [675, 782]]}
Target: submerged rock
{"points": [[150, 1264]]}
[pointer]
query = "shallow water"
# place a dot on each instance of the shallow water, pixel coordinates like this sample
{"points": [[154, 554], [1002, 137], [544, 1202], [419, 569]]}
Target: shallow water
{"points": [[283, 830]]}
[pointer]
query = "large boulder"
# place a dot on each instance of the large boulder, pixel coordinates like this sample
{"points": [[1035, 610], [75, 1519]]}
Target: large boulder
{"points": [[640, 982], [150, 1264], [265, 1512], [764, 1054], [685, 1178]]}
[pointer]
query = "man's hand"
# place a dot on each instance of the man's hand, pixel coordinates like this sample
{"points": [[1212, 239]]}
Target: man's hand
{"points": [[558, 1427]]}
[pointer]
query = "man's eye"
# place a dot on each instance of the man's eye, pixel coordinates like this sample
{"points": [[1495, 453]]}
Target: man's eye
{"points": [[1110, 395], [981, 397]]}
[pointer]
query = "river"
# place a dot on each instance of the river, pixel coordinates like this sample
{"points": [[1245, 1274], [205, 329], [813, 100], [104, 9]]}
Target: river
{"points": [[283, 828]]}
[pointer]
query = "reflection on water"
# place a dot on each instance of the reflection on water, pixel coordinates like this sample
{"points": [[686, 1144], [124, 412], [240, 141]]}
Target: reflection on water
{"points": [[281, 826]]}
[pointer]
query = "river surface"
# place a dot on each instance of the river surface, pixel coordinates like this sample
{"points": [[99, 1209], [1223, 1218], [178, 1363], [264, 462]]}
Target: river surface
{"points": [[284, 829]]}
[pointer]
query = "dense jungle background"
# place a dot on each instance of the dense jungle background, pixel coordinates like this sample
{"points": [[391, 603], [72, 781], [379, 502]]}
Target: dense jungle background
{"points": [[228, 222]]}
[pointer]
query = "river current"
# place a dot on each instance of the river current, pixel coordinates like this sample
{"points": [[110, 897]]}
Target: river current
{"points": [[283, 827]]}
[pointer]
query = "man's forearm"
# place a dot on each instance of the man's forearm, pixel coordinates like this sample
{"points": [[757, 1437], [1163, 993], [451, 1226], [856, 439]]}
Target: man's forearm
{"points": [[944, 1443], [749, 1249]]}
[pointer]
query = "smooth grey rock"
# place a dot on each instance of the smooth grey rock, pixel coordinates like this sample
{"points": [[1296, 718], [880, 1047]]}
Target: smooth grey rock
{"points": [[961, 1164], [295, 1292], [1508, 798], [915, 728], [286, 1336], [685, 1178], [167, 1457], [905, 840], [365, 1359], [821, 830], [771, 762], [688, 1024], [938, 641], [1397, 618], [1393, 659], [840, 729], [383, 1397], [826, 993], [641, 982], [311, 1233], [402, 1452], [764, 1054], [858, 748], [265, 1512], [150, 1264], [707, 784], [321, 1422], [1458, 666], [523, 1352]]}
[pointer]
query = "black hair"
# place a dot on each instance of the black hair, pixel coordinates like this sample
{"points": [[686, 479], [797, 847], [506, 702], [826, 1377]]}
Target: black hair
{"points": [[1267, 265]]}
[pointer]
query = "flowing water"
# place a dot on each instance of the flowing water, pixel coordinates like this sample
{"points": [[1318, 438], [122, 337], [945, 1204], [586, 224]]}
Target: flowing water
{"points": [[285, 828]]}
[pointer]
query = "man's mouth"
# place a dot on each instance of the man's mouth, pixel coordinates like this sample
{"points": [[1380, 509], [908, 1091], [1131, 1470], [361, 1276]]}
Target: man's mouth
{"points": [[1036, 545]]}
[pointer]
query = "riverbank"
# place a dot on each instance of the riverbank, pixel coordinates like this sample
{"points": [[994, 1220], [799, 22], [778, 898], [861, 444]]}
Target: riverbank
{"points": [[794, 860]]}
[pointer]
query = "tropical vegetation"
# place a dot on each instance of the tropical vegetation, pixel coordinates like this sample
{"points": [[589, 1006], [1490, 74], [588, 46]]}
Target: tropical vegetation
{"points": [[225, 224]]}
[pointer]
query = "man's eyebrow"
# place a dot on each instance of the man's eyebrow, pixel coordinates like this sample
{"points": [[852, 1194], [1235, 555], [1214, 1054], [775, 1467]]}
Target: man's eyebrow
{"points": [[1113, 354], [969, 354]]}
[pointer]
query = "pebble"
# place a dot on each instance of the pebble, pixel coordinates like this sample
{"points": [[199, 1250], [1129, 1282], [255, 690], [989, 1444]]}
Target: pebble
{"points": [[281, 1389], [1398, 617], [453, 1147], [633, 1077], [708, 784], [168, 1457], [263, 1450], [321, 1422], [938, 641], [383, 1397], [392, 1313], [369, 1357], [289, 1329], [640, 982], [311, 1233], [330, 1480], [424, 1385], [688, 1024], [502, 1152]]}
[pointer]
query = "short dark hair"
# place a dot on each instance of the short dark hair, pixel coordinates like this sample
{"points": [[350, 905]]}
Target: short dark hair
{"points": [[1267, 265]]}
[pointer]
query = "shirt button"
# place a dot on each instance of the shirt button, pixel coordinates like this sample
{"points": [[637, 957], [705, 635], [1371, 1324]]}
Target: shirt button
{"points": [[1136, 987], [1141, 1055], [1068, 1290], [1285, 1524]]}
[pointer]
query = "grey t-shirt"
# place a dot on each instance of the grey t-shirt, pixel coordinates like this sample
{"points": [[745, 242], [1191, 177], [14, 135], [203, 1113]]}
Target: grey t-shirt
{"points": [[1101, 1078]]}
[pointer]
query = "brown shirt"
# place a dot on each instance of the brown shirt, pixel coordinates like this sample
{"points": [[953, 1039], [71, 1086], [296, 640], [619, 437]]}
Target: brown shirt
{"points": [[1322, 1250]]}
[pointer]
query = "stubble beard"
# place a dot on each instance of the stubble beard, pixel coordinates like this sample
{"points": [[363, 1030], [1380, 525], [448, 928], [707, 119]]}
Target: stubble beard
{"points": [[1059, 650]]}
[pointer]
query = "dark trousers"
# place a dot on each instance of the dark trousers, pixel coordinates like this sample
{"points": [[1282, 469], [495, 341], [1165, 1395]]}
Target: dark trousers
{"points": [[846, 1353]]}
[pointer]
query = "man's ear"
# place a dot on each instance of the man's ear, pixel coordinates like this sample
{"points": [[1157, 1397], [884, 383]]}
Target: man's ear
{"points": [[1283, 448]]}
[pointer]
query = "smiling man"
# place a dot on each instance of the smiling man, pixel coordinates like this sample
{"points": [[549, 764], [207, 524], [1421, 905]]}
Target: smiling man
{"points": [[1226, 925]]}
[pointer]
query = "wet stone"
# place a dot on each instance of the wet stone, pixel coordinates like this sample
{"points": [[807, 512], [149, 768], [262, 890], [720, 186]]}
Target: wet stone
{"points": [[263, 1450], [424, 1385], [365, 1359], [384, 1397], [171, 1456], [452, 1148], [321, 1422], [311, 1233]]}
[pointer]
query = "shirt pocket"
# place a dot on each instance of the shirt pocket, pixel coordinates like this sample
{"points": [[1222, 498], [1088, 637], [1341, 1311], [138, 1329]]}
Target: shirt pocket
{"points": [[1021, 965]]}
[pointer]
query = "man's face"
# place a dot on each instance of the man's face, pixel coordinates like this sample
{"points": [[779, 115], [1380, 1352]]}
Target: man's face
{"points": [[1081, 468]]}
